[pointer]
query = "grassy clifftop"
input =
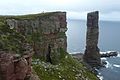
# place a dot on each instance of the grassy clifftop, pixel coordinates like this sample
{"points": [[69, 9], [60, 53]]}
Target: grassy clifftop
{"points": [[28, 16], [67, 69]]}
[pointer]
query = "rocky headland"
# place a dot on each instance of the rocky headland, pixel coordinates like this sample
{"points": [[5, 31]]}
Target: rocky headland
{"points": [[33, 47]]}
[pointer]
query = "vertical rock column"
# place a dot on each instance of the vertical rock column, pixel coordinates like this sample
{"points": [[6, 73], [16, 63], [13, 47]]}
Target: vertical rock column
{"points": [[91, 55]]}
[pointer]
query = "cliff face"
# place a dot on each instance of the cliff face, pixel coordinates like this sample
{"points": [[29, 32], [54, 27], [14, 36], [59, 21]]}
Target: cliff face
{"points": [[46, 33], [42, 35]]}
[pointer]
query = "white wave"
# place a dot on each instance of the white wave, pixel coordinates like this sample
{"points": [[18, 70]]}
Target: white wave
{"points": [[74, 52], [106, 52], [118, 54], [102, 52], [100, 77], [108, 65], [99, 74], [110, 51], [115, 65], [104, 59]]}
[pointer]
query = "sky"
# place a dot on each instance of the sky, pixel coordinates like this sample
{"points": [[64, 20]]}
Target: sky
{"points": [[76, 9]]}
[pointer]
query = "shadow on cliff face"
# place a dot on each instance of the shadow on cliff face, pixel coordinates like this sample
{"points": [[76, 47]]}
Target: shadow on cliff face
{"points": [[48, 55]]}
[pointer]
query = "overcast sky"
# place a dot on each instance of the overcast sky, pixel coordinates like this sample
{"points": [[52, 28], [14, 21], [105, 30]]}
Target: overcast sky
{"points": [[76, 9]]}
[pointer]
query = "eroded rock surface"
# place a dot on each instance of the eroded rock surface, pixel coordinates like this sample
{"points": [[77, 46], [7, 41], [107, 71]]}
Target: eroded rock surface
{"points": [[92, 55], [44, 32], [13, 69]]}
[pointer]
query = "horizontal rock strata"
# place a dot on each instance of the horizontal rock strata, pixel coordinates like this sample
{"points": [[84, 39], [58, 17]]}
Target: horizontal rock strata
{"points": [[46, 33], [92, 55]]}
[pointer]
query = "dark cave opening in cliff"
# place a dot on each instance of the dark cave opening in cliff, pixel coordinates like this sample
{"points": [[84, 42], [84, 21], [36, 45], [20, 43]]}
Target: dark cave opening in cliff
{"points": [[48, 58]]}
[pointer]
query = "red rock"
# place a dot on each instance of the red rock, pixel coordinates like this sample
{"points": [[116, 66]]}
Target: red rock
{"points": [[21, 68], [6, 66], [29, 60], [11, 69]]}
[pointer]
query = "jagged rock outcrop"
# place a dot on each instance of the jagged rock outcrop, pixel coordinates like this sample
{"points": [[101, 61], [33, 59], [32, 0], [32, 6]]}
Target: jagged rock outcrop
{"points": [[46, 33], [14, 66], [109, 54], [92, 54]]}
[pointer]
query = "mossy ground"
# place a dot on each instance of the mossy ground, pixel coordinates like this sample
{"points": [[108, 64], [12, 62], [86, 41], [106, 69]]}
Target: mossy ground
{"points": [[28, 16], [67, 69], [10, 39]]}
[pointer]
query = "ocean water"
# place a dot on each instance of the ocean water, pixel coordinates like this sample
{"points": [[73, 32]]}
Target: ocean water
{"points": [[109, 40]]}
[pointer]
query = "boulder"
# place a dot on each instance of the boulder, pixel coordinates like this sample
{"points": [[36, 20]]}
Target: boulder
{"points": [[109, 54], [6, 67], [14, 67], [21, 69]]}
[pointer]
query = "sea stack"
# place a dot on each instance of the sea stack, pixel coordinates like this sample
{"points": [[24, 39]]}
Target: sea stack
{"points": [[92, 55]]}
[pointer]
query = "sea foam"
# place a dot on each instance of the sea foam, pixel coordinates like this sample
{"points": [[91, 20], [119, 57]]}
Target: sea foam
{"points": [[115, 65]]}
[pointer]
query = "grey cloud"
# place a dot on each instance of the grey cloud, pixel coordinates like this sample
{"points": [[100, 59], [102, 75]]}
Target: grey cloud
{"points": [[77, 7]]}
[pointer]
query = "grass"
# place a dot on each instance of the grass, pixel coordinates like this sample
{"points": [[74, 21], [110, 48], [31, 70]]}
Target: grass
{"points": [[10, 40], [28, 16], [61, 34], [67, 69]]}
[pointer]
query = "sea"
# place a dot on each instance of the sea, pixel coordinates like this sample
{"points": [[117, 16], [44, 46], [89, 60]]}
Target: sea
{"points": [[109, 40]]}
